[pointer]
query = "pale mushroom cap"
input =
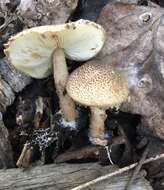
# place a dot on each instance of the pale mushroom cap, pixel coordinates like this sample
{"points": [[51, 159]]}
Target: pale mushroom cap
{"points": [[30, 51], [97, 85]]}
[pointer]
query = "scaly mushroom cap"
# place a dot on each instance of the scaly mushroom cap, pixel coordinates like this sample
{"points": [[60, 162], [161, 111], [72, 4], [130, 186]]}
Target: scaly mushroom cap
{"points": [[30, 51], [97, 85]]}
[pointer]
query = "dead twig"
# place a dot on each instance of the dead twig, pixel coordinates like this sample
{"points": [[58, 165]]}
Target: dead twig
{"points": [[82, 153], [137, 169], [25, 157], [120, 171], [89, 151]]}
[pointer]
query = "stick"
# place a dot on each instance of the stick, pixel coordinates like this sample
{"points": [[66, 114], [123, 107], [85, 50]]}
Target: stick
{"points": [[120, 171], [25, 157], [137, 169]]}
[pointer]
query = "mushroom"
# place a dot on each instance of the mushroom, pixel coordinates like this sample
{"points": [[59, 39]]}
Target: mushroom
{"points": [[35, 51], [100, 87]]}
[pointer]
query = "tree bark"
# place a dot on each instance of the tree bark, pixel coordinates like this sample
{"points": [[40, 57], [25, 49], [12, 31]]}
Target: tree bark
{"points": [[6, 157], [11, 82], [46, 12], [65, 177]]}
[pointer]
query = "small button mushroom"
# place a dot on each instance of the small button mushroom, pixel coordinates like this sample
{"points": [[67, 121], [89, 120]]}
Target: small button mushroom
{"points": [[101, 87], [34, 50]]}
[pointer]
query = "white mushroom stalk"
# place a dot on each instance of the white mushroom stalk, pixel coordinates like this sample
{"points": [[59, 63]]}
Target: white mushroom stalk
{"points": [[37, 50], [101, 87], [60, 77]]}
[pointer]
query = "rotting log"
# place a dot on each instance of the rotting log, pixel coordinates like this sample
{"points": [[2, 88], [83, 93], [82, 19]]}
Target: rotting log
{"points": [[6, 157], [65, 177], [11, 82]]}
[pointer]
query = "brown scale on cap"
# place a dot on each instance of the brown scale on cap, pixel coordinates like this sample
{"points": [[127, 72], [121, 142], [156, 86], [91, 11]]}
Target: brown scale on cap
{"points": [[101, 87], [95, 84]]}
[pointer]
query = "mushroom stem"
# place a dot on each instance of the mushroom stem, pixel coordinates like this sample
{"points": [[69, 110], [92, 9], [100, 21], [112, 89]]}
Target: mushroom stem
{"points": [[98, 117], [67, 105]]}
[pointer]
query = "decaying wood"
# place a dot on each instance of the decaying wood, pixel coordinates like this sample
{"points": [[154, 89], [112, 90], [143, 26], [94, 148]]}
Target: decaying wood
{"points": [[7, 96], [90, 151], [35, 13], [117, 172], [130, 48], [6, 157], [43, 12], [25, 157], [11, 81], [81, 153], [65, 177], [16, 80]]}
